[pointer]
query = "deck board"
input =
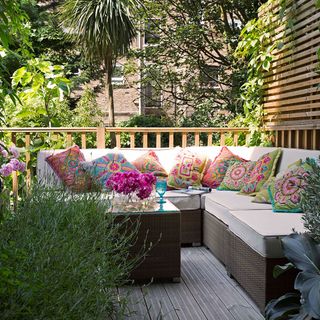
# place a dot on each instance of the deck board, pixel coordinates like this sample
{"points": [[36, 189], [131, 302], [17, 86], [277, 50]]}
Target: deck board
{"points": [[205, 293]]}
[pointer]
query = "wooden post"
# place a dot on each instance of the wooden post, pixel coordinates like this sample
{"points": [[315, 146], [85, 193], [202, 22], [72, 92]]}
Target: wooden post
{"points": [[27, 145], [132, 140], [197, 139], [184, 139], [171, 139], [83, 141], [69, 140], [222, 139], [145, 140], [101, 138], [314, 139], [297, 139], [14, 178], [158, 140], [209, 139], [118, 140], [235, 138]]}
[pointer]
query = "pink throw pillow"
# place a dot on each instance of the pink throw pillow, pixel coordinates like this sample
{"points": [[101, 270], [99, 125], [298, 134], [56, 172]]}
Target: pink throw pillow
{"points": [[66, 166]]}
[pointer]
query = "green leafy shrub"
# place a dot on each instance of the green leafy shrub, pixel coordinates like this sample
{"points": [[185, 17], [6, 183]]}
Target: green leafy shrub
{"points": [[311, 201], [62, 257], [304, 255]]}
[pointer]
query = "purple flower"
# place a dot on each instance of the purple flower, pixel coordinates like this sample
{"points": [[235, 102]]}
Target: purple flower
{"points": [[6, 169], [15, 164], [4, 153], [14, 151]]}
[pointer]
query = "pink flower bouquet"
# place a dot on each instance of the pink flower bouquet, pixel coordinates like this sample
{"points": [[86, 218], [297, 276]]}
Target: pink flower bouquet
{"points": [[132, 182]]}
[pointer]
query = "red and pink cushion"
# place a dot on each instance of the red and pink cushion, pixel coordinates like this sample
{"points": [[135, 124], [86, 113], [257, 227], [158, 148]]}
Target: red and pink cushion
{"points": [[264, 169], [66, 165], [149, 162], [237, 176], [101, 169], [187, 170], [216, 169]]}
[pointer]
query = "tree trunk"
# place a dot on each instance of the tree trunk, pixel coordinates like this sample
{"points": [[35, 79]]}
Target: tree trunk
{"points": [[109, 92], [109, 96]]}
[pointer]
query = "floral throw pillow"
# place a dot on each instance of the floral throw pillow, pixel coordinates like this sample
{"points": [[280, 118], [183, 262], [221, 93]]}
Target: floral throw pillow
{"points": [[149, 162], [262, 196], [187, 170], [216, 169], [264, 169], [285, 193], [103, 168], [237, 176], [66, 165]]}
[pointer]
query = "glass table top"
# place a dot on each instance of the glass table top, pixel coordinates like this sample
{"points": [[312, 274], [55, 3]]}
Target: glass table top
{"points": [[144, 206]]}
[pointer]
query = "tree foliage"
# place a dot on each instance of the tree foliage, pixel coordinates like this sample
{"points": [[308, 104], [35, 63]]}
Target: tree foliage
{"points": [[188, 56]]}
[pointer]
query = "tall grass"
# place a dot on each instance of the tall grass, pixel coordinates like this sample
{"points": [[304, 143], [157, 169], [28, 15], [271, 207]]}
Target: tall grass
{"points": [[62, 257]]}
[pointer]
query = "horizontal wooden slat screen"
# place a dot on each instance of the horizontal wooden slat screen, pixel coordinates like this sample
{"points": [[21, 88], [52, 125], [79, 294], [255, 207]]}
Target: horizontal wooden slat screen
{"points": [[292, 86]]}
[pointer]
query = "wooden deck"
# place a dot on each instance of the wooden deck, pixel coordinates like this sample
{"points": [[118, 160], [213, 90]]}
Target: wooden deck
{"points": [[205, 292]]}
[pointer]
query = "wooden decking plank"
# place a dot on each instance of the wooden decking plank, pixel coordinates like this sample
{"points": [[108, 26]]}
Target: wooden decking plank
{"points": [[185, 304], [158, 302], [208, 299], [238, 304], [205, 293], [218, 265], [137, 309]]}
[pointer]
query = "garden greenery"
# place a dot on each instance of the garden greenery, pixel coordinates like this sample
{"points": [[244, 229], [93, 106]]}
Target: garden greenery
{"points": [[62, 257], [255, 47]]}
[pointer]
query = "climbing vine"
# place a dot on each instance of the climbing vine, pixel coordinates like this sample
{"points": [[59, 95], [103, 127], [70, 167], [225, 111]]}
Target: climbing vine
{"points": [[255, 46]]}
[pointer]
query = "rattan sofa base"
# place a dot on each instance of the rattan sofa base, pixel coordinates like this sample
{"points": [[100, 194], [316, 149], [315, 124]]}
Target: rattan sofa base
{"points": [[161, 231], [251, 270], [191, 227]]}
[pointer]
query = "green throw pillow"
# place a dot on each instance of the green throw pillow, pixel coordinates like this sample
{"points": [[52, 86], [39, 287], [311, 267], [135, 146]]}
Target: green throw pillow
{"points": [[236, 176], [264, 169], [285, 193], [263, 195]]}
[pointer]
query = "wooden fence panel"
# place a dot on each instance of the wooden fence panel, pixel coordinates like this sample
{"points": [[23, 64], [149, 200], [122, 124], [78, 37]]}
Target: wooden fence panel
{"points": [[292, 86]]}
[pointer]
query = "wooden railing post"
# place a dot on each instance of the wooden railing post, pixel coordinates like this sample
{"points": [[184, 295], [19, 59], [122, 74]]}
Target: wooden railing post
{"points": [[27, 145], [101, 137], [14, 178]]}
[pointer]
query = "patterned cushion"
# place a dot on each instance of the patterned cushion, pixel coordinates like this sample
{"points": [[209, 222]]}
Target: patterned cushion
{"points": [[66, 166], [265, 167], [285, 193], [101, 169], [237, 176], [187, 171], [149, 162], [262, 196], [216, 169]]}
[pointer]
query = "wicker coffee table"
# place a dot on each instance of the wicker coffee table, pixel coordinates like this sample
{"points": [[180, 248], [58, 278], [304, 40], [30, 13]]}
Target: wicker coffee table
{"points": [[160, 228]]}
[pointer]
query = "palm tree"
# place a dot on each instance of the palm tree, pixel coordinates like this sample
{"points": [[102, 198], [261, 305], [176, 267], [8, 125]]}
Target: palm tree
{"points": [[104, 29]]}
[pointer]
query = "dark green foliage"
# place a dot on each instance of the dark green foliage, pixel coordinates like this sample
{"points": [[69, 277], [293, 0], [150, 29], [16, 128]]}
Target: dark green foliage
{"points": [[147, 121], [311, 201], [304, 254], [62, 256]]}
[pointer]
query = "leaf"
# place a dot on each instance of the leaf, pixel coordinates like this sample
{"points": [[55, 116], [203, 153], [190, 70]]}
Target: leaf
{"points": [[302, 251], [288, 304], [309, 286], [17, 75], [278, 270], [26, 79]]}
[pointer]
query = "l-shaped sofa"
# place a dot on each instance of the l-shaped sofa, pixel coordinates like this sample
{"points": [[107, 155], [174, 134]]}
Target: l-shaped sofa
{"points": [[243, 235]]}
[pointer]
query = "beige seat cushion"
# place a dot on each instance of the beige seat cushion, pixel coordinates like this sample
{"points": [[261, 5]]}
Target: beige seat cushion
{"points": [[184, 201], [220, 203], [262, 230]]}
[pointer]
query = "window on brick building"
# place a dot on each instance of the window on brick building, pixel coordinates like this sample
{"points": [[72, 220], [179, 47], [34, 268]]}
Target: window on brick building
{"points": [[117, 74]]}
